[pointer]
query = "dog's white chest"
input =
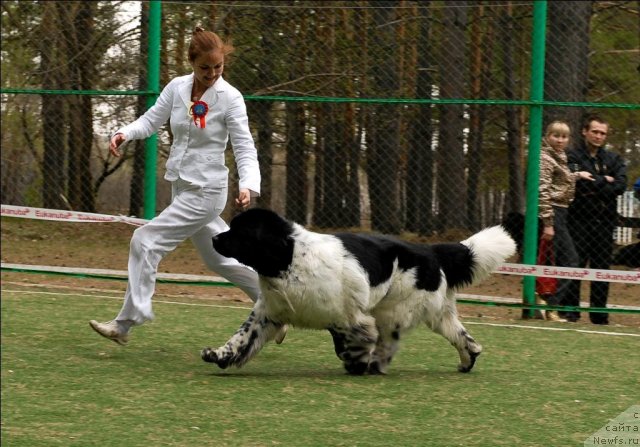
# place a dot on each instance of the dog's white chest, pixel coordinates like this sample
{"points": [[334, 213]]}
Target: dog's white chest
{"points": [[314, 303]]}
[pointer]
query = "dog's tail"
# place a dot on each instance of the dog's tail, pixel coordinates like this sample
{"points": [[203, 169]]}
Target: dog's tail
{"points": [[473, 259]]}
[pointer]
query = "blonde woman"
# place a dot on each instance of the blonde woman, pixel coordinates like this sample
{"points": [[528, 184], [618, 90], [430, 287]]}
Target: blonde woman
{"points": [[557, 189]]}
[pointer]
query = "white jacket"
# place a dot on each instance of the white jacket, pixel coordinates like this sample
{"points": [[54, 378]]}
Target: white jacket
{"points": [[197, 155]]}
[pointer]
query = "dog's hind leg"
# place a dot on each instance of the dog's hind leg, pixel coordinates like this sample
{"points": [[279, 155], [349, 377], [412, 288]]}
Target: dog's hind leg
{"points": [[450, 327], [354, 344], [245, 343], [386, 347]]}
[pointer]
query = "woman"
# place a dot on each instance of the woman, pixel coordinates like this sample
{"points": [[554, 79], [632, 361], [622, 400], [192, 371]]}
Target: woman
{"points": [[557, 189], [204, 111]]}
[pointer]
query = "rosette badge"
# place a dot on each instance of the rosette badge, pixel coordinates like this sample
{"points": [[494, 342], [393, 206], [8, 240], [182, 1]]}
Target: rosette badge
{"points": [[199, 111]]}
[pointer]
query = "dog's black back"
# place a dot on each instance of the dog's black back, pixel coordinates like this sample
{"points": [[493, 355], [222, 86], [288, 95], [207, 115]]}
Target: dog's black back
{"points": [[377, 254], [263, 240]]}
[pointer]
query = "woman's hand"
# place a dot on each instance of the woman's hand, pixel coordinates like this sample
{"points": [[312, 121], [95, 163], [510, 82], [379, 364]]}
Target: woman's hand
{"points": [[115, 142], [244, 199], [548, 232]]}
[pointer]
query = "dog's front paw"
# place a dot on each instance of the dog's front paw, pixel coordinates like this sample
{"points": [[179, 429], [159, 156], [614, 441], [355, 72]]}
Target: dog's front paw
{"points": [[356, 368], [375, 369], [210, 355], [466, 368]]}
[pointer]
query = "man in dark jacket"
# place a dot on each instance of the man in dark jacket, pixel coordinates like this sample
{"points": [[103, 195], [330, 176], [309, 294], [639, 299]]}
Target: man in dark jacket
{"points": [[593, 212]]}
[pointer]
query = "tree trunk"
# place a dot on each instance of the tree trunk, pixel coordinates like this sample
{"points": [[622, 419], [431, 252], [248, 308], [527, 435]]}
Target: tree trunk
{"points": [[53, 110], [318, 177], [515, 193], [262, 109], [451, 176], [296, 148], [567, 60], [420, 166], [482, 56], [136, 187], [79, 38], [332, 213], [383, 154], [348, 135]]}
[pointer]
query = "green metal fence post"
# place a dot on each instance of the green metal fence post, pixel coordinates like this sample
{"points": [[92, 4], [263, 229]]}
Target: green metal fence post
{"points": [[153, 82], [533, 160]]}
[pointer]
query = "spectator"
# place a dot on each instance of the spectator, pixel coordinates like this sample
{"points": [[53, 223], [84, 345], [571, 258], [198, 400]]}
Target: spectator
{"points": [[593, 213], [636, 194], [204, 112], [557, 188]]}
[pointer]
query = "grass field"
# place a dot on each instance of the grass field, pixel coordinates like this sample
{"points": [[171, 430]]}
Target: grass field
{"points": [[63, 385]]}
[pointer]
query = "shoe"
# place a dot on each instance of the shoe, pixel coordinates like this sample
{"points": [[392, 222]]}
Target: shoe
{"points": [[571, 317], [538, 314], [599, 318], [549, 315], [281, 334], [111, 331], [552, 315]]}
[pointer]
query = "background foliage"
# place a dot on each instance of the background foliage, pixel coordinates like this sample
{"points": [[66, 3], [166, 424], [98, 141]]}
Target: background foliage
{"points": [[418, 163]]}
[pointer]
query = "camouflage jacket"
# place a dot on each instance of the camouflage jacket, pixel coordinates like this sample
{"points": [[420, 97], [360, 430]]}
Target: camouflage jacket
{"points": [[557, 183]]}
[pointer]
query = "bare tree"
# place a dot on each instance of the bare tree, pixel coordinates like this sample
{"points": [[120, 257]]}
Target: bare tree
{"points": [[53, 109], [261, 110], [420, 165], [482, 42], [296, 146], [515, 192], [348, 133], [384, 133], [82, 53], [451, 176], [567, 60], [136, 196]]}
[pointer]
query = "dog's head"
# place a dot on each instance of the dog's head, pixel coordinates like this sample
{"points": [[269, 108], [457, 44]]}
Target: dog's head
{"points": [[258, 238]]}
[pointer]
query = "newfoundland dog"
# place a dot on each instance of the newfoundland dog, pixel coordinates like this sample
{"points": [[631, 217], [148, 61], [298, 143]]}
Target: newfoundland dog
{"points": [[366, 290]]}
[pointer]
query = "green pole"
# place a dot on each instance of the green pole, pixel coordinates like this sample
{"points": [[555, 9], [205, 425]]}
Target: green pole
{"points": [[153, 85], [535, 136]]}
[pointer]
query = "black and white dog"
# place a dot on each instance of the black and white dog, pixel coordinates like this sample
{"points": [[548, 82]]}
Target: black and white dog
{"points": [[366, 290]]}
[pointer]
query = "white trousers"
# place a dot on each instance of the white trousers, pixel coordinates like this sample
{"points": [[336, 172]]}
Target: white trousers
{"points": [[194, 213]]}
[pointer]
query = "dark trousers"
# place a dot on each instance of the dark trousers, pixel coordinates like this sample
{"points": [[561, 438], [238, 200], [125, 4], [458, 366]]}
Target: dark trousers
{"points": [[593, 239], [565, 253]]}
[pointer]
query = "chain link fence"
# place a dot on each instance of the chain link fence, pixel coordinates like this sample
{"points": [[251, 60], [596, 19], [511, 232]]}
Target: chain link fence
{"points": [[395, 116]]}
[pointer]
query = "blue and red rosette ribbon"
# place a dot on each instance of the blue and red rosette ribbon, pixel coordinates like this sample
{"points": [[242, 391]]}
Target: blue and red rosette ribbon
{"points": [[199, 111]]}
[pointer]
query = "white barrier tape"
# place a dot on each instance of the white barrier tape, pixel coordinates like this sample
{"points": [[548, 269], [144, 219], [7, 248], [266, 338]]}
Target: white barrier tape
{"points": [[109, 272], [623, 276], [66, 216]]}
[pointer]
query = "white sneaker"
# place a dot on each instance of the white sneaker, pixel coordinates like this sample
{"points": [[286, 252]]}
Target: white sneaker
{"points": [[111, 331]]}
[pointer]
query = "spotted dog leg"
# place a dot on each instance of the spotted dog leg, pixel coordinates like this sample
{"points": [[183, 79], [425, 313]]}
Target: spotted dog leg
{"points": [[354, 344], [386, 347], [245, 343], [451, 329]]}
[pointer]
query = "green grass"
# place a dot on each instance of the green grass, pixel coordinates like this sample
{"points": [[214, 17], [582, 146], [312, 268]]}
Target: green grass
{"points": [[63, 385]]}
